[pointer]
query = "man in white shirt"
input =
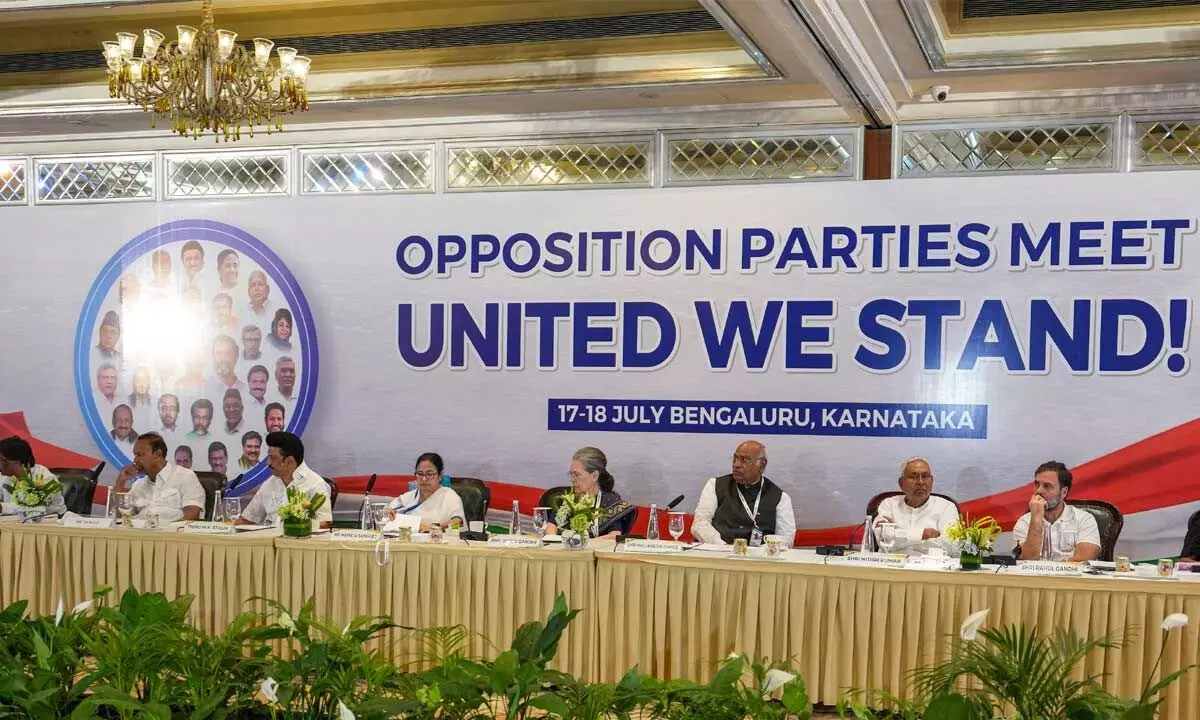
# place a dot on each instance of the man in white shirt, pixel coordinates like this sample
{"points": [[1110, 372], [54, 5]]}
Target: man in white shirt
{"points": [[286, 460], [1074, 534], [744, 504], [920, 518], [172, 491]]}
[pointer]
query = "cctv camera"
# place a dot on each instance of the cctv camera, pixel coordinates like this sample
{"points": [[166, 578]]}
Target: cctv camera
{"points": [[941, 93]]}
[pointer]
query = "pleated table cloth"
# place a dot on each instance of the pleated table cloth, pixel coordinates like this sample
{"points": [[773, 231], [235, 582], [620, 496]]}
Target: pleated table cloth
{"points": [[44, 562], [489, 591], [850, 626]]}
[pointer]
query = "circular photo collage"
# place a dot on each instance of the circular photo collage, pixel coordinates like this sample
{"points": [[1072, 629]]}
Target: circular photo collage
{"points": [[196, 339]]}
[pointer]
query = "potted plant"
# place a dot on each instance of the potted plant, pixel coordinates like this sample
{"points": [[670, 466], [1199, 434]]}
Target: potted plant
{"points": [[32, 490], [974, 539], [575, 515], [298, 512]]}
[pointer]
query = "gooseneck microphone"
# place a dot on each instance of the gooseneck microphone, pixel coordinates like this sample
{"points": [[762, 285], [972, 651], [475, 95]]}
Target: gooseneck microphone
{"points": [[671, 505]]}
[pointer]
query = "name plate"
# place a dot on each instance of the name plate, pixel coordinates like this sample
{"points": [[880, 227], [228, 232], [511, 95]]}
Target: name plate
{"points": [[514, 541], [1038, 567], [88, 522], [355, 535], [877, 559], [209, 528], [653, 546]]}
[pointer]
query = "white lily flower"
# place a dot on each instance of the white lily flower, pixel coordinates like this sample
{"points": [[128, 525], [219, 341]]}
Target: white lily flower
{"points": [[732, 656], [286, 622], [59, 613], [81, 607], [972, 624], [344, 712], [1174, 620], [267, 689], [776, 679]]}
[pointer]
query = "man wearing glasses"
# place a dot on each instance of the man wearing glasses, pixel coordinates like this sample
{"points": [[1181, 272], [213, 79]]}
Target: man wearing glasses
{"points": [[920, 518], [744, 504]]}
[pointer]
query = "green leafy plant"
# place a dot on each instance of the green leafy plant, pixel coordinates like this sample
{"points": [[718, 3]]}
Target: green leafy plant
{"points": [[741, 688], [327, 672]]}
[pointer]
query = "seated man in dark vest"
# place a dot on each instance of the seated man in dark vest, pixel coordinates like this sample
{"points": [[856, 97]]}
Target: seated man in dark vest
{"points": [[744, 504]]}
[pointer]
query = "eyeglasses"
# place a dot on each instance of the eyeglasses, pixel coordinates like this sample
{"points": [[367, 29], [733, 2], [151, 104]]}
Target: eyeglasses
{"points": [[745, 459], [427, 474], [919, 476], [576, 474]]}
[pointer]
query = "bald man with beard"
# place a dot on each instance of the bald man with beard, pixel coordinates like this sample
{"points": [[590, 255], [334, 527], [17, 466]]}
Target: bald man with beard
{"points": [[745, 503]]}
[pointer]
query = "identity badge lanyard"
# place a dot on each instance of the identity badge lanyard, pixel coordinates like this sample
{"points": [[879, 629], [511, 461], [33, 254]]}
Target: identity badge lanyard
{"points": [[756, 535]]}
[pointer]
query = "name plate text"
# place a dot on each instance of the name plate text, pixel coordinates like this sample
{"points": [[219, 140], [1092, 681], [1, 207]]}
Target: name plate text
{"points": [[355, 535], [88, 522], [876, 559], [209, 528], [514, 541], [1038, 567], [653, 546]]}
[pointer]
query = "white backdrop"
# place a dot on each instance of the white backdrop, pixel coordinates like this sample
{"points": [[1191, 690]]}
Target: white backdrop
{"points": [[374, 413]]}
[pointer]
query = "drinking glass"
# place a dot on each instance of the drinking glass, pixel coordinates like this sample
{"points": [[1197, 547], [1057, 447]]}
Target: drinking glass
{"points": [[124, 507], [1066, 541], [887, 536], [675, 525], [541, 516], [383, 515], [233, 509]]}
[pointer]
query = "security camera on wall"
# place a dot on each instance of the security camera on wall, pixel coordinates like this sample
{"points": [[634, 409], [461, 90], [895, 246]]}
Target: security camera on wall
{"points": [[941, 93]]}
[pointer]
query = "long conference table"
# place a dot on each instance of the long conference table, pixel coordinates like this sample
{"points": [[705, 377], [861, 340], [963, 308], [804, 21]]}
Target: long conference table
{"points": [[676, 615]]}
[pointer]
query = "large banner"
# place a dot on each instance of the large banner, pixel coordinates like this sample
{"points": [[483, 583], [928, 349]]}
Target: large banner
{"points": [[987, 324]]}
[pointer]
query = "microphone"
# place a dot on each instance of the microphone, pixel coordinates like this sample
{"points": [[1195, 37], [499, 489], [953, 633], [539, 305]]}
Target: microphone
{"points": [[371, 482], [229, 486], [34, 518], [671, 505]]}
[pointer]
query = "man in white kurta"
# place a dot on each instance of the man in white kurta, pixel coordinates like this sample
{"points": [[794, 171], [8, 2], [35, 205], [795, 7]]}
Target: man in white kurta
{"points": [[920, 518], [1074, 535], [286, 459], [171, 491]]}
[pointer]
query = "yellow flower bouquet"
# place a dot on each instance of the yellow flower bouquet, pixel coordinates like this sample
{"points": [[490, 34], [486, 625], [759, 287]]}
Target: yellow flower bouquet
{"points": [[974, 538]]}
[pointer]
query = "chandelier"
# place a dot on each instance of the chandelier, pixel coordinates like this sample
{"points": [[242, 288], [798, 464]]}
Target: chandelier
{"points": [[206, 81]]}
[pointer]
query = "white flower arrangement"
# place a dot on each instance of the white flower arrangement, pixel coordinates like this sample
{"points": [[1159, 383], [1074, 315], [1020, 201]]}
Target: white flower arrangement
{"points": [[34, 488]]}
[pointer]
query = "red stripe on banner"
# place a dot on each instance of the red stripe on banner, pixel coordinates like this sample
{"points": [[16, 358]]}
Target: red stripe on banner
{"points": [[13, 423]]}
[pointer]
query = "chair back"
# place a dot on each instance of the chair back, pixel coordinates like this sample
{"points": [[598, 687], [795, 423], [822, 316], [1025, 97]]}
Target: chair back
{"points": [[211, 482], [474, 508], [79, 487], [550, 497], [484, 490], [873, 503], [1108, 520], [333, 493]]}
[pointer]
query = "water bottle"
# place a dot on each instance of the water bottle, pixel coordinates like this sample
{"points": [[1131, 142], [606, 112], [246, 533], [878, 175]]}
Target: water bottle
{"points": [[514, 525], [366, 519], [652, 528], [1047, 542], [868, 542], [218, 508]]}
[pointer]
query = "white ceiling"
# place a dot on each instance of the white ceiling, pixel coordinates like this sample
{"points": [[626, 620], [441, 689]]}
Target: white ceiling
{"points": [[869, 62]]}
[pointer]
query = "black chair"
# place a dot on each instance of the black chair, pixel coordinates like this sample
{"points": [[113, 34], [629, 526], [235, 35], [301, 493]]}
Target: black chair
{"points": [[474, 507], [483, 488], [211, 482], [79, 487], [333, 493], [550, 497], [1109, 521], [873, 503]]}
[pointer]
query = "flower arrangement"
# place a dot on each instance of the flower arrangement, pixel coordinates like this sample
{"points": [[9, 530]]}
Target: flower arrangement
{"points": [[577, 512], [300, 505], [33, 488], [973, 537]]}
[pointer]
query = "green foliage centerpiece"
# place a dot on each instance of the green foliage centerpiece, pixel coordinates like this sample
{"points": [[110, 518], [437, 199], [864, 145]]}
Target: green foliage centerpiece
{"points": [[575, 516], [33, 490], [298, 512]]}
